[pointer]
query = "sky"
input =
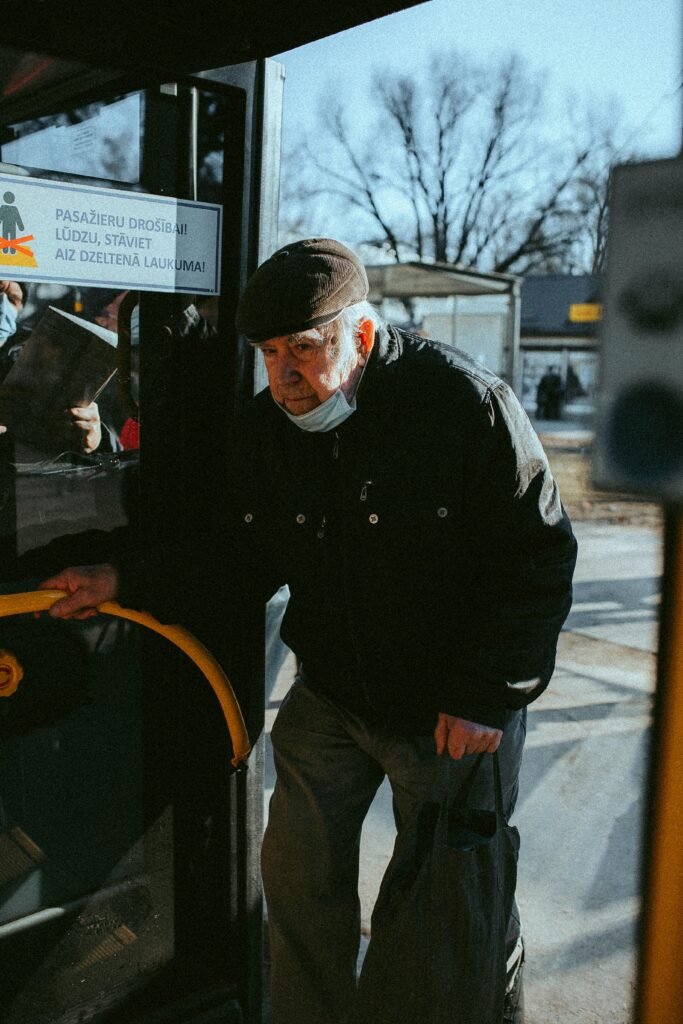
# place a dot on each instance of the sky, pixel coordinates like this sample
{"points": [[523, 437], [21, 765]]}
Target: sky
{"points": [[597, 50]]}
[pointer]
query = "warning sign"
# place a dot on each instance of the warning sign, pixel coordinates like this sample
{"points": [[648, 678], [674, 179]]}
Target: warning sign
{"points": [[81, 236], [15, 251]]}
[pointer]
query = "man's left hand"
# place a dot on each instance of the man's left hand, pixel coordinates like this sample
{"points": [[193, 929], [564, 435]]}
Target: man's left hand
{"points": [[460, 737]]}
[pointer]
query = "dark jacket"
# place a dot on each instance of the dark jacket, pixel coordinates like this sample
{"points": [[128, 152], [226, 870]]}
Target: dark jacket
{"points": [[424, 544]]}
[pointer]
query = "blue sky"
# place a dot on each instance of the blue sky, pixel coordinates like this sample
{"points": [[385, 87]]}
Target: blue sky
{"points": [[598, 50]]}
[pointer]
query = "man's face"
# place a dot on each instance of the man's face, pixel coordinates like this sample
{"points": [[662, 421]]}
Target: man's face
{"points": [[304, 369]]}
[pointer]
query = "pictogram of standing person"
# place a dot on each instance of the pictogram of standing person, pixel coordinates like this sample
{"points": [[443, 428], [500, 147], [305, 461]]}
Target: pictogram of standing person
{"points": [[10, 220]]}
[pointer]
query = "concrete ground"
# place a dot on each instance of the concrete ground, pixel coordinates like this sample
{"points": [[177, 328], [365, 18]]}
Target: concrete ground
{"points": [[582, 788]]}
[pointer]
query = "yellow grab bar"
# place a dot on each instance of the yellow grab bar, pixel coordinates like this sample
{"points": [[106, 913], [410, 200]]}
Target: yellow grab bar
{"points": [[41, 600]]}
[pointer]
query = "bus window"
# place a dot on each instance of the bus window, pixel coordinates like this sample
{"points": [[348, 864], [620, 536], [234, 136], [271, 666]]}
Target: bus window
{"points": [[101, 140]]}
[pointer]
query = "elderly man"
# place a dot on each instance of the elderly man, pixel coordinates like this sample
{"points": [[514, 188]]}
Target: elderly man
{"points": [[398, 489]]}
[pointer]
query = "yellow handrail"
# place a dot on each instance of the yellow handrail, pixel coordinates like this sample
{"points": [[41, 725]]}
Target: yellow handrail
{"points": [[41, 600]]}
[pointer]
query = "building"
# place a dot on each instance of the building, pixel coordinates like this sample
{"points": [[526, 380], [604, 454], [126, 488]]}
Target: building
{"points": [[521, 328], [560, 318], [475, 311]]}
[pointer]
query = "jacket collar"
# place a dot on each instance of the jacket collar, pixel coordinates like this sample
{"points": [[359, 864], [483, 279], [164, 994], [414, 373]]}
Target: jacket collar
{"points": [[379, 387]]}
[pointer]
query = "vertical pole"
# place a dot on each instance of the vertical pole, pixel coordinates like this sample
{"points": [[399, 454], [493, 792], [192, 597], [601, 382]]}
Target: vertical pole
{"points": [[660, 981], [513, 367], [192, 142]]}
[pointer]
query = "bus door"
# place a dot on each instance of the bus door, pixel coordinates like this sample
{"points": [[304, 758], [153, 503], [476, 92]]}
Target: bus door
{"points": [[128, 882]]}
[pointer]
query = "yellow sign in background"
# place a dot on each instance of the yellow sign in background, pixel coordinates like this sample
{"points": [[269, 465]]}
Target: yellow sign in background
{"points": [[585, 312]]}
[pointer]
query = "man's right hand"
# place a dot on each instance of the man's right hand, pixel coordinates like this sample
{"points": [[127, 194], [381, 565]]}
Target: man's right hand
{"points": [[87, 587]]}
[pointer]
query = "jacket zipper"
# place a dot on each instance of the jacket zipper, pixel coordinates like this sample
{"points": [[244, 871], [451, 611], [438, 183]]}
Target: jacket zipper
{"points": [[360, 679], [335, 456]]}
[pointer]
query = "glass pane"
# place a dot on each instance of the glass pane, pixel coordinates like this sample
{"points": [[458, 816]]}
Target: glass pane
{"points": [[100, 140], [114, 807], [86, 879], [86, 831]]}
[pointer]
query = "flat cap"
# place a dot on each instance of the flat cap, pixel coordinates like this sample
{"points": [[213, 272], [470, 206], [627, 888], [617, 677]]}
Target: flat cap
{"points": [[302, 285]]}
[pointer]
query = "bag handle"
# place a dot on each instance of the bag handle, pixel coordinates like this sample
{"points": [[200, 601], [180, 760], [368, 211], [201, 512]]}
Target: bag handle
{"points": [[463, 793], [498, 790]]}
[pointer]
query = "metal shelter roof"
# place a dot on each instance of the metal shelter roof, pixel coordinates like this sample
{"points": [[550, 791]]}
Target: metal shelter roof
{"points": [[406, 280]]}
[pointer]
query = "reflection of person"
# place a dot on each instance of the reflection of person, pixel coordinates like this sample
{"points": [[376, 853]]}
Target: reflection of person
{"points": [[81, 427], [400, 491], [11, 304], [108, 316], [129, 432], [549, 395]]}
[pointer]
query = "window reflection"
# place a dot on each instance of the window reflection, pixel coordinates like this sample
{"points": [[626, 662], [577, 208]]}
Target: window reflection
{"points": [[100, 140]]}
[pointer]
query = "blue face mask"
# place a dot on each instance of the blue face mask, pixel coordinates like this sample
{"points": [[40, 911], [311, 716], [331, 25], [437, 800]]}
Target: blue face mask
{"points": [[8, 319], [326, 416]]}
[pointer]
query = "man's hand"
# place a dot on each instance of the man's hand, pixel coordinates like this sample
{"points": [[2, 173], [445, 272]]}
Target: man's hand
{"points": [[85, 420], [460, 737], [87, 586]]}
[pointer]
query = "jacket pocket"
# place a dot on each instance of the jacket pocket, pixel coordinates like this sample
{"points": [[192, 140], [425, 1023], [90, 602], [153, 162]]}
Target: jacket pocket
{"points": [[409, 526], [412, 549]]}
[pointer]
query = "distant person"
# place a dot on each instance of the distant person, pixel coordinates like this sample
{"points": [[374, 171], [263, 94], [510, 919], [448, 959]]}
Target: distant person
{"points": [[574, 388], [549, 395], [81, 428]]}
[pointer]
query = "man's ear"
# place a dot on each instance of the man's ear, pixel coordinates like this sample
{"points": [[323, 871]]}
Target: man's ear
{"points": [[366, 339]]}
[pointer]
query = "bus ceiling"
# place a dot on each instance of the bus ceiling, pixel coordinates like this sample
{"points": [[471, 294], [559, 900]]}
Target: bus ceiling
{"points": [[49, 44]]}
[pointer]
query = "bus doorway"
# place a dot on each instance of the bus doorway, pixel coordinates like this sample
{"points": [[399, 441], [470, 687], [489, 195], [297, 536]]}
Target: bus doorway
{"points": [[128, 881]]}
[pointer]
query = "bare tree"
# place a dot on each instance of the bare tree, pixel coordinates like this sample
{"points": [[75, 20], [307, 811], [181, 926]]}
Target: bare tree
{"points": [[458, 169], [592, 190]]}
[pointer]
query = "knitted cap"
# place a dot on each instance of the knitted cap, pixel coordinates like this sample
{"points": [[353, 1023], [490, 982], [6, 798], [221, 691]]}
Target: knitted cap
{"points": [[300, 286]]}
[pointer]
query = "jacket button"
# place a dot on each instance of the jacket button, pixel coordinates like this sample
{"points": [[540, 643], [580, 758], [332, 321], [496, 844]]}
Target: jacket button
{"points": [[442, 513], [301, 518], [374, 518], [248, 518]]}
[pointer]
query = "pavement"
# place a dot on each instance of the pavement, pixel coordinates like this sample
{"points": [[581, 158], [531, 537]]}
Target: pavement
{"points": [[582, 787]]}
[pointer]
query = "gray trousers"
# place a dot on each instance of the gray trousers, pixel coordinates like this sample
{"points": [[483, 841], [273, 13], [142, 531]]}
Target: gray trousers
{"points": [[329, 766]]}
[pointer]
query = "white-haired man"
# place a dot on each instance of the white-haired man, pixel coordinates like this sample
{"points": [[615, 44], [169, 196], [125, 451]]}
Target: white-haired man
{"points": [[398, 489]]}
